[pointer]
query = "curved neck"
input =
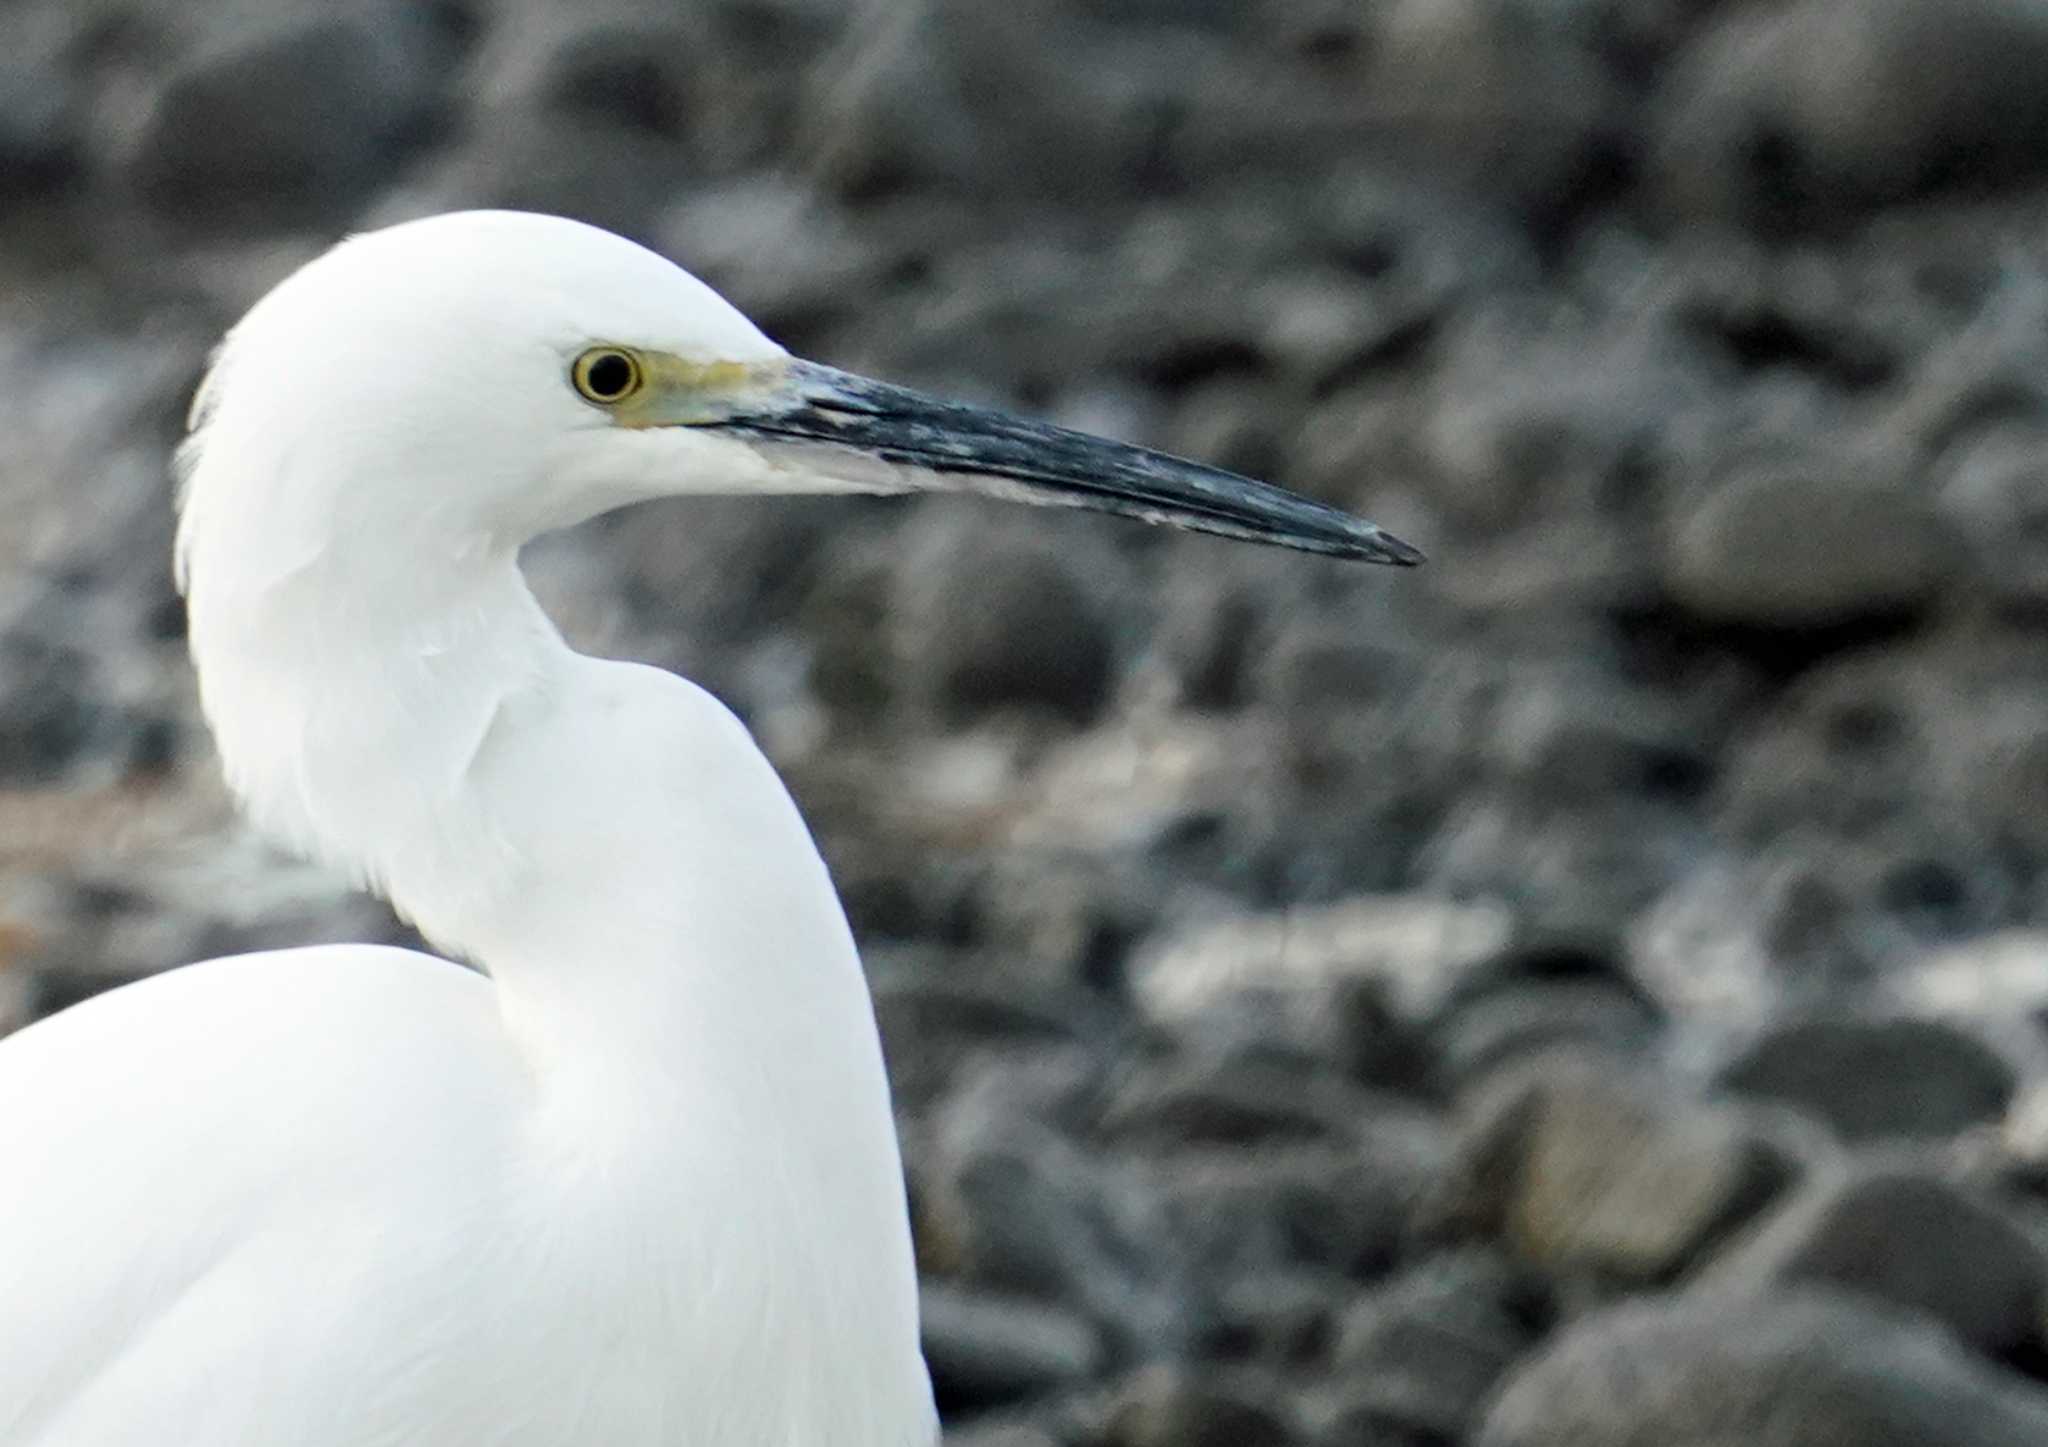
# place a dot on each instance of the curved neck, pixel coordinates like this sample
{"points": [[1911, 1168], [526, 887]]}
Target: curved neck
{"points": [[603, 839]]}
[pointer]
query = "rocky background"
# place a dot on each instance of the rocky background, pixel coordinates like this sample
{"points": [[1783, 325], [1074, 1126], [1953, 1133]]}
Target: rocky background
{"points": [[1588, 991]]}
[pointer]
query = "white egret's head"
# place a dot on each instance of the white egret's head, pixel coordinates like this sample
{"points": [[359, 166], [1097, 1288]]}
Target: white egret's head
{"points": [[481, 377]]}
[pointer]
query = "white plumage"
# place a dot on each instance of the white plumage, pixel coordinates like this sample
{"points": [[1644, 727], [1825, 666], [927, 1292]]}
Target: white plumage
{"points": [[637, 1185]]}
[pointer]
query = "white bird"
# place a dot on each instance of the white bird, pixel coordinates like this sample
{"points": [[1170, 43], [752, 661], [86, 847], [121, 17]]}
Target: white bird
{"points": [[637, 1183]]}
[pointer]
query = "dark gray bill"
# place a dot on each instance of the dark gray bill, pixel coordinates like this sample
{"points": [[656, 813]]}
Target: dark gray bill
{"points": [[989, 452]]}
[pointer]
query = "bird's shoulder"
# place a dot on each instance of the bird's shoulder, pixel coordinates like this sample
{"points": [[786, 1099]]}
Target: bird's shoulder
{"points": [[259, 1059], [190, 1136]]}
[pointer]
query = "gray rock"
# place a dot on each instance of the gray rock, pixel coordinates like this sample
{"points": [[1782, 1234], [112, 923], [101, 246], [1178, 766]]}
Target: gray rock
{"points": [[1211, 621], [1908, 1236], [1225, 1102], [41, 139], [985, 1349], [1016, 1205], [1739, 940], [707, 572], [1282, 1316], [1172, 1407], [1997, 757], [1575, 737], [1985, 980], [1874, 1079], [1065, 916], [1485, 1033], [1994, 493], [1356, 1031], [305, 111], [1571, 993], [1805, 114], [789, 257], [1568, 870], [1500, 96], [938, 1015], [996, 612], [1414, 946], [1249, 1212], [1000, 1434], [621, 65], [1536, 412], [1785, 546], [1846, 748], [1422, 1350], [1798, 1369], [1583, 1168], [49, 713], [949, 104], [1319, 663], [572, 166]]}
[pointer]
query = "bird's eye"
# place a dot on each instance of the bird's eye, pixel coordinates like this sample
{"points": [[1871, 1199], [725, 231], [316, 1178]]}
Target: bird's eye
{"points": [[606, 375]]}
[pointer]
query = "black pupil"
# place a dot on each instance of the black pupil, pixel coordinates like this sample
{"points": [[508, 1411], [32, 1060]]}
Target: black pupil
{"points": [[609, 376]]}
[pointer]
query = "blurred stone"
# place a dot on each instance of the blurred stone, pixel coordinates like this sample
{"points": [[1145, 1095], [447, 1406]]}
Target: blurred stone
{"points": [[950, 104], [1535, 412], [309, 109], [1246, 1212], [705, 572], [1202, 1102], [1636, 37], [41, 140], [1567, 738], [1994, 493], [1422, 1350], [1321, 663], [1323, 325], [1741, 939], [1355, 1031], [1486, 1032], [2002, 976], [49, 712], [1794, 547], [620, 65], [985, 1349], [1497, 95], [1282, 1316], [786, 255], [991, 614], [1417, 944], [1001, 1434], [1175, 1407], [1579, 1167], [1022, 1208], [1804, 114], [1799, 1369], [1537, 995], [1068, 912], [576, 167], [1847, 747], [1877, 1079], [936, 1015], [1908, 1236], [1998, 760], [1207, 632], [1570, 870]]}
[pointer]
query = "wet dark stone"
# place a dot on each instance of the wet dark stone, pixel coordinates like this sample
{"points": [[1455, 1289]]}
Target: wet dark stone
{"points": [[307, 111], [1910, 1237], [1877, 1079], [1799, 1369]]}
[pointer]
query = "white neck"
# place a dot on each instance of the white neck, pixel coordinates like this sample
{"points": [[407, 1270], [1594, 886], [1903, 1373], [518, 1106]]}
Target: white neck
{"points": [[603, 839]]}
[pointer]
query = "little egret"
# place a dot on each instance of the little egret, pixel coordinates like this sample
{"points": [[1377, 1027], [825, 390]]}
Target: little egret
{"points": [[637, 1183]]}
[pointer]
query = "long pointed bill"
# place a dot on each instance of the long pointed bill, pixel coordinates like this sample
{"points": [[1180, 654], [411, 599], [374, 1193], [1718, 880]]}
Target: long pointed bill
{"points": [[975, 450]]}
